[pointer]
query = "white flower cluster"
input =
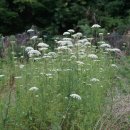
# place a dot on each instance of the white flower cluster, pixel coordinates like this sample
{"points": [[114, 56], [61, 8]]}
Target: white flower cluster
{"points": [[70, 31], [62, 49], [67, 39], [65, 42], [114, 66], [83, 42], [33, 89], [79, 62], [2, 75], [87, 43], [34, 53], [42, 46], [75, 96], [27, 49], [96, 26], [77, 35], [113, 50], [18, 77], [31, 52], [66, 33], [30, 30], [101, 42], [34, 37], [95, 80], [21, 66], [93, 56], [52, 54], [105, 45]]}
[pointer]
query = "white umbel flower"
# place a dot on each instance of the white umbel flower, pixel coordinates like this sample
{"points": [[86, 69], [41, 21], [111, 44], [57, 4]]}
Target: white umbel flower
{"points": [[87, 43], [67, 39], [96, 26], [33, 89], [27, 49], [49, 75], [42, 48], [30, 30], [105, 45], [94, 80], [83, 40], [101, 42], [46, 57], [113, 50], [100, 34], [2, 75], [78, 44], [34, 37], [79, 62], [61, 43], [62, 48], [18, 77], [93, 56], [21, 66], [116, 50], [114, 66], [71, 31], [41, 44], [79, 34], [34, 53], [75, 96], [73, 57], [66, 33], [52, 54]]}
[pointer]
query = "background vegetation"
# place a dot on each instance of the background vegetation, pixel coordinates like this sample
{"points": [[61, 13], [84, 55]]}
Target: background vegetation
{"points": [[60, 15]]}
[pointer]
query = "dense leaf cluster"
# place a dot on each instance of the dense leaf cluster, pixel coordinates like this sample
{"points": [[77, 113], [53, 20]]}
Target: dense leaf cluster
{"points": [[59, 15]]}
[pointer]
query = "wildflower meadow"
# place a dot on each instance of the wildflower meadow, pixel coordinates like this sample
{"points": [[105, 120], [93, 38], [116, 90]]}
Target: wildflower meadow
{"points": [[70, 87]]}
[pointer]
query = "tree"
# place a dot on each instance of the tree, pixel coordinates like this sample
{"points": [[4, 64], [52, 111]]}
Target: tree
{"points": [[60, 15]]}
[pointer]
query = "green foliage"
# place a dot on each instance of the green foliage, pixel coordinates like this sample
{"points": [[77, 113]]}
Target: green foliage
{"points": [[84, 27], [23, 1], [61, 15], [51, 104]]}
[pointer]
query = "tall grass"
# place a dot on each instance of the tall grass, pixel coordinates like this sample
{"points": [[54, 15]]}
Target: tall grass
{"points": [[49, 104]]}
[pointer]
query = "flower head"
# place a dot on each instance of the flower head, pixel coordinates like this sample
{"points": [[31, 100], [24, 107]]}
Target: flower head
{"points": [[21, 66], [67, 39], [114, 66], [52, 54], [75, 96], [71, 31], [92, 56], [94, 80], [77, 35], [41, 44], [113, 50], [66, 33], [96, 26], [105, 45], [79, 62], [101, 42], [34, 37], [27, 49], [2, 75], [87, 43], [30, 30], [34, 53], [33, 89], [18, 77]]}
